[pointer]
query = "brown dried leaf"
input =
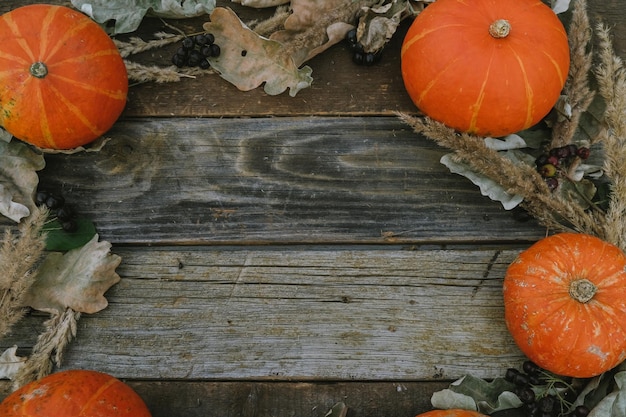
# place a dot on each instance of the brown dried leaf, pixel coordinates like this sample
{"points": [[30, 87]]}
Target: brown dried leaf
{"points": [[18, 179], [77, 279], [248, 60], [305, 14], [378, 24]]}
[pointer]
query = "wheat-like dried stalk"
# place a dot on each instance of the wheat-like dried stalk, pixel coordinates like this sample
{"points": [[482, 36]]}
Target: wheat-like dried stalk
{"points": [[611, 77], [548, 208], [576, 89], [19, 257], [146, 73], [49, 349], [137, 45]]}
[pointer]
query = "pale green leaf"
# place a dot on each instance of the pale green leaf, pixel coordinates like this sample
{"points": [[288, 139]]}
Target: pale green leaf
{"points": [[248, 60], [128, 14], [10, 363], [77, 279], [447, 399], [487, 186], [471, 393]]}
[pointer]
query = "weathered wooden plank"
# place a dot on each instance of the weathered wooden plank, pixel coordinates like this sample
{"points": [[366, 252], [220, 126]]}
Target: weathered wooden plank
{"points": [[280, 399], [297, 314], [287, 180]]}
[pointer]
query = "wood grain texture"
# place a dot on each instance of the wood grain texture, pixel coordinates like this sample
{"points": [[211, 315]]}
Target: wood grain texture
{"points": [[276, 180], [297, 314], [281, 399]]}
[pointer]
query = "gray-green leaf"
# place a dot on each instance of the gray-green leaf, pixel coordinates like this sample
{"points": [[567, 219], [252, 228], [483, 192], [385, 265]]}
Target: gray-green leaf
{"points": [[128, 14], [471, 393]]}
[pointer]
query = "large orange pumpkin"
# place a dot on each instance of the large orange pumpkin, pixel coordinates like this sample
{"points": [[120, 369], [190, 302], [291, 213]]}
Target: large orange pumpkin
{"points": [[75, 393], [63, 80], [488, 67], [454, 412], [565, 304]]}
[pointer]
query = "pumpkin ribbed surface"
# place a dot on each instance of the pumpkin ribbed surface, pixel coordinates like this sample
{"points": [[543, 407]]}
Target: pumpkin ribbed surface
{"points": [[565, 304], [488, 67], [72, 394], [63, 81]]}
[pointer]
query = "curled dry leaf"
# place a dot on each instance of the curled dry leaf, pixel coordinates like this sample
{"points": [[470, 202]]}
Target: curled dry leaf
{"points": [[10, 363], [248, 60], [378, 24], [18, 179], [77, 279], [305, 14], [128, 14]]}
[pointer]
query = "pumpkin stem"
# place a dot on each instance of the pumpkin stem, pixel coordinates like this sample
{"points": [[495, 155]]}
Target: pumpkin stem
{"points": [[500, 28], [39, 70], [582, 290]]}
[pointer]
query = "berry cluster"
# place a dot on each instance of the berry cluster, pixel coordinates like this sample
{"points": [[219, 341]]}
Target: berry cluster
{"points": [[543, 394], [556, 159], [359, 56], [56, 204], [195, 50]]}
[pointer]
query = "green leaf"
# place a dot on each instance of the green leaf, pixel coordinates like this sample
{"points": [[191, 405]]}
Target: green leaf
{"points": [[58, 239], [128, 14]]}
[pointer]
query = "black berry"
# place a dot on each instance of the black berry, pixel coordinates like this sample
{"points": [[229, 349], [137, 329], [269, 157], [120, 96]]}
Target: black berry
{"points": [[188, 43], [41, 197], [581, 411], [526, 395], [70, 226], [54, 202], [65, 213], [511, 374], [547, 404]]}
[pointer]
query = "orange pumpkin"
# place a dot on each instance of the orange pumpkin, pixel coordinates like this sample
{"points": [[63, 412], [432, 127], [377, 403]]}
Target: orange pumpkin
{"points": [[565, 304], [72, 394], [63, 80], [455, 412], [487, 67]]}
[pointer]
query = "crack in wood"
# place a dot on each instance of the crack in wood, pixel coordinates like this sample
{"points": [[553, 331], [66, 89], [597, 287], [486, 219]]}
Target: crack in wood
{"points": [[486, 272]]}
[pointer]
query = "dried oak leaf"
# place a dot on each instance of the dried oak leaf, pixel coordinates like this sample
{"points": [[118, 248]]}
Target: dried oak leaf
{"points": [[305, 14], [248, 60], [18, 179], [77, 279]]}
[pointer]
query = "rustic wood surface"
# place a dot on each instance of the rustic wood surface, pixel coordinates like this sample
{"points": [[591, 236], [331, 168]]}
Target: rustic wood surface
{"points": [[284, 254]]}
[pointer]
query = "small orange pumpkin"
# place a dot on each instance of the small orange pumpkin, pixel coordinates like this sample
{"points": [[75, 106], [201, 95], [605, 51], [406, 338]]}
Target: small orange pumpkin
{"points": [[454, 412], [487, 67], [63, 80], [565, 304], [75, 393]]}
